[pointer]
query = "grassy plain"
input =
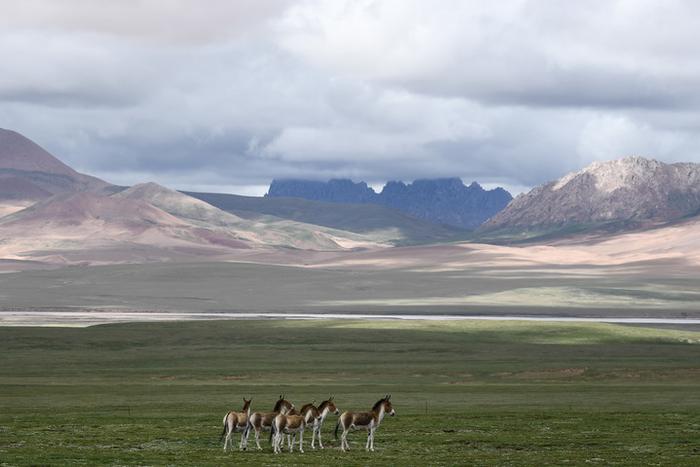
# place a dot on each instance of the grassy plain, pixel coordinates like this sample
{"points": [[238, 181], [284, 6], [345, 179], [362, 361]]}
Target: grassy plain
{"points": [[466, 393]]}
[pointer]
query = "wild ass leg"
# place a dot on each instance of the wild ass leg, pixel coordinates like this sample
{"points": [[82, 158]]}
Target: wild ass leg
{"points": [[369, 438], [318, 435], [301, 441], [227, 440], [371, 444], [344, 440], [276, 441], [257, 439]]}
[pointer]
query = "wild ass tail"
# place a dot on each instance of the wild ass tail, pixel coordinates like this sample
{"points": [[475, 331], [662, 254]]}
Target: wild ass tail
{"points": [[273, 429], [223, 433], [247, 429]]}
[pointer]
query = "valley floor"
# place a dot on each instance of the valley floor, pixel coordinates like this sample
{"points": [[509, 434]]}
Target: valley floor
{"points": [[665, 291], [466, 393]]}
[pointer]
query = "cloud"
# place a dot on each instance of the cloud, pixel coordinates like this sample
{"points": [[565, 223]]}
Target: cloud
{"points": [[228, 95], [534, 53], [174, 22]]}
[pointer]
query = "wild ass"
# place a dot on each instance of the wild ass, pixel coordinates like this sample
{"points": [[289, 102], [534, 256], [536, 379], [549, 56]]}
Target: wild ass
{"points": [[316, 416], [262, 421], [289, 424], [236, 421], [369, 421]]}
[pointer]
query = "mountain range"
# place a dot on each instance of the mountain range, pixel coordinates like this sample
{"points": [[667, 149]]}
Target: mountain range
{"points": [[444, 201], [51, 214]]}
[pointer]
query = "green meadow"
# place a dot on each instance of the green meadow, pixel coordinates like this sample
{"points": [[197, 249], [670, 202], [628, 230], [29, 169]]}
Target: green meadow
{"points": [[465, 393]]}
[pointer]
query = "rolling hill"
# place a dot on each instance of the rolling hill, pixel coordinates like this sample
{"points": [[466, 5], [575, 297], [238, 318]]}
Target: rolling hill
{"points": [[357, 218], [51, 214]]}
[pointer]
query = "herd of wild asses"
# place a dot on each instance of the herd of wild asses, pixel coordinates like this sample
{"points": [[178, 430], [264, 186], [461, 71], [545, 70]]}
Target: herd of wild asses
{"points": [[286, 419]]}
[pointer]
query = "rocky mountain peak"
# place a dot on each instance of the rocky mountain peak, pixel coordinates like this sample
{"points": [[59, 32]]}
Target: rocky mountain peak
{"points": [[632, 190], [613, 175]]}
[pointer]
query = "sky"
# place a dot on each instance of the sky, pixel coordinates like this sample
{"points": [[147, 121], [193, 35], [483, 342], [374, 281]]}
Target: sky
{"points": [[224, 96]]}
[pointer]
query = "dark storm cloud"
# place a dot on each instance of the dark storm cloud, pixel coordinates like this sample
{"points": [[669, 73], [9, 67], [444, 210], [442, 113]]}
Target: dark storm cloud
{"points": [[228, 95]]}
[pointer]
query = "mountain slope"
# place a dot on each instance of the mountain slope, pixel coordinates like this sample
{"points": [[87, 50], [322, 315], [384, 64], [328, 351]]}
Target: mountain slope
{"points": [[28, 172], [357, 218], [94, 228], [179, 204], [261, 230], [74, 209], [51, 213], [444, 201], [149, 222], [632, 191]]}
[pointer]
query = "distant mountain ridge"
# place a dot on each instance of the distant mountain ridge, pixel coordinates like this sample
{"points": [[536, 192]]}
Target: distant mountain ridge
{"points": [[446, 200], [632, 191]]}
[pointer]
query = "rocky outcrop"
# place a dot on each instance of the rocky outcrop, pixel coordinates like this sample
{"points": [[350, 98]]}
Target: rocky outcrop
{"points": [[445, 201]]}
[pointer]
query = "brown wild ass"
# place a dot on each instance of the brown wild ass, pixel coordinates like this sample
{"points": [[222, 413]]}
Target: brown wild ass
{"points": [[316, 416], [262, 421], [236, 421], [289, 424], [369, 421]]}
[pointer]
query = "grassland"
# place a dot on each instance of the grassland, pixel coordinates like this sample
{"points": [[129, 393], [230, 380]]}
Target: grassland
{"points": [[467, 393]]}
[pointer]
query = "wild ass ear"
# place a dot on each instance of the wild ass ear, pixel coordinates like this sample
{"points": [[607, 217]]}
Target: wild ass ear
{"points": [[389, 397]]}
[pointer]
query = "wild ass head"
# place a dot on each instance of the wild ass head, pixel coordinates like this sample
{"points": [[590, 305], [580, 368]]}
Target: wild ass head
{"points": [[384, 404], [246, 405], [330, 405], [282, 405]]}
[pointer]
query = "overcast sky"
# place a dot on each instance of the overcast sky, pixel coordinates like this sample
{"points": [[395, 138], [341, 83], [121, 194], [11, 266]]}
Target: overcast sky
{"points": [[222, 95]]}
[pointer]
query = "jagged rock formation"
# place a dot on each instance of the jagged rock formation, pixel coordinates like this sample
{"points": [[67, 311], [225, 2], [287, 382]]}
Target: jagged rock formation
{"points": [[632, 190], [446, 201], [332, 191]]}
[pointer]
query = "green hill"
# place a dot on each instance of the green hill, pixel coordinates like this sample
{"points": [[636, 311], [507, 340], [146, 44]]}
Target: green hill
{"points": [[358, 218]]}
